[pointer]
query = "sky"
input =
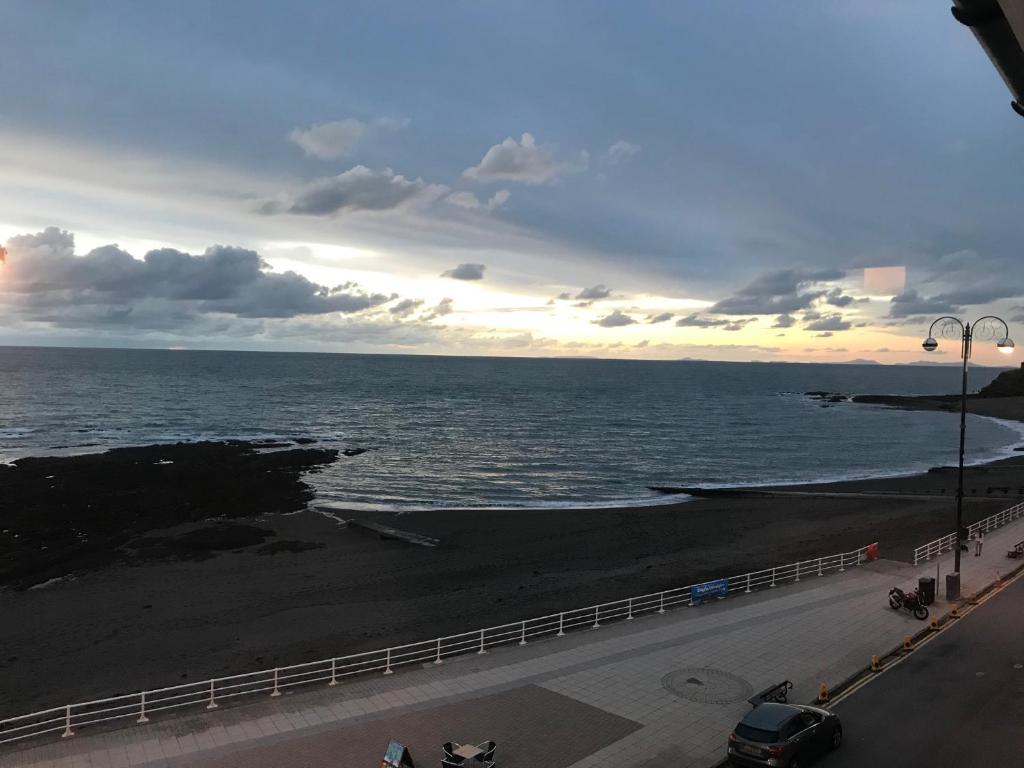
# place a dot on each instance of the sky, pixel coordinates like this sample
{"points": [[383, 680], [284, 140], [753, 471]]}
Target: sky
{"points": [[649, 180]]}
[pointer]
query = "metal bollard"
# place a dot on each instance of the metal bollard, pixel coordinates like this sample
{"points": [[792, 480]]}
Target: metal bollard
{"points": [[142, 709]]}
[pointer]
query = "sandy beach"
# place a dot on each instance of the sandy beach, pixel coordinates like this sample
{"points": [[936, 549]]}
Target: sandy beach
{"points": [[151, 623]]}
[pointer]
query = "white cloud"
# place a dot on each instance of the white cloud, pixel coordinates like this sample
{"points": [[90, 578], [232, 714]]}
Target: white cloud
{"points": [[524, 161], [329, 141], [620, 153]]}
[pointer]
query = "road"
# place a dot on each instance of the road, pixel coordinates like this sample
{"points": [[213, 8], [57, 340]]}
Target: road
{"points": [[956, 701]]}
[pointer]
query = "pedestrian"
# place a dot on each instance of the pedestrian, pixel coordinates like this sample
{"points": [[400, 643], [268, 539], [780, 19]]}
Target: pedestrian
{"points": [[977, 544]]}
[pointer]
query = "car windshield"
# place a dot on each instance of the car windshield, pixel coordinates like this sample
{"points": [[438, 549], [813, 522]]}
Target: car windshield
{"points": [[757, 734]]}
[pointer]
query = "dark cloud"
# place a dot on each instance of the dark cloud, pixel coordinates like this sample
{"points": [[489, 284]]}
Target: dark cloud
{"points": [[444, 307], [661, 318], [967, 277], [779, 292], [615, 320], [48, 278], [405, 307], [824, 334], [466, 272], [829, 323], [599, 291], [357, 189], [696, 321], [784, 321], [564, 296], [837, 298], [911, 303]]}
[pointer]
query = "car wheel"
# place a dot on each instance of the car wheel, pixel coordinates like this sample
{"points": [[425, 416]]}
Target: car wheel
{"points": [[837, 738]]}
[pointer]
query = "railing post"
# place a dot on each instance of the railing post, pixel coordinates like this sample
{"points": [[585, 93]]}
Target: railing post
{"points": [[481, 651], [597, 614], [67, 723], [661, 609], [213, 701], [629, 615], [747, 590], [797, 570], [561, 625], [438, 659], [842, 562], [773, 578], [142, 709], [522, 636], [819, 567], [387, 663], [334, 672], [276, 691]]}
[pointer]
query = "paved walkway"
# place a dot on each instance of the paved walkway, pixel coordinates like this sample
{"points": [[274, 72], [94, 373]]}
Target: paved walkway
{"points": [[659, 690]]}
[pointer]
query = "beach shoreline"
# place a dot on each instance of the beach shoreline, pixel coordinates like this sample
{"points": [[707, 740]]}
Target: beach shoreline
{"points": [[327, 588]]}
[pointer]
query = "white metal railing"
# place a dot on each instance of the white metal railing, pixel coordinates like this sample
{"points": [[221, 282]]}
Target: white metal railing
{"points": [[947, 542], [209, 693]]}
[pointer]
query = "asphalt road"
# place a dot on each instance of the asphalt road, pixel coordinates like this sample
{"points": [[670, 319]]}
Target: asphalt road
{"points": [[956, 701]]}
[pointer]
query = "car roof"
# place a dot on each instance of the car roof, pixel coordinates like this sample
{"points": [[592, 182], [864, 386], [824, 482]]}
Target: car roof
{"points": [[770, 716]]}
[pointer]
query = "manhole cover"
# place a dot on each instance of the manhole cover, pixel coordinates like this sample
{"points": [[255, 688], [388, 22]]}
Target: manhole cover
{"points": [[707, 686]]}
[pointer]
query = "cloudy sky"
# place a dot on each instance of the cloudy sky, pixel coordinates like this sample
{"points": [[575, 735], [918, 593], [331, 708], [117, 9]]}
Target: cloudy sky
{"points": [[729, 180]]}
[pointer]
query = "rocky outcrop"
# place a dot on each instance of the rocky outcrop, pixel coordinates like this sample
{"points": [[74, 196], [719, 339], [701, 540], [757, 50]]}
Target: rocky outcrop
{"points": [[63, 514], [1006, 384]]}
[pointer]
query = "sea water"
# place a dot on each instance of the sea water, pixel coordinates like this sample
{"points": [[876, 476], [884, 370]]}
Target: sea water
{"points": [[495, 432]]}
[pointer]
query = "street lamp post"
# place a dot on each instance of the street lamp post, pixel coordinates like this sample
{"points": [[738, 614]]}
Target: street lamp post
{"points": [[951, 327]]}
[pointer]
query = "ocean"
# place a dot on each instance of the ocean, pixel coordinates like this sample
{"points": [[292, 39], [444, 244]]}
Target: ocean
{"points": [[495, 432]]}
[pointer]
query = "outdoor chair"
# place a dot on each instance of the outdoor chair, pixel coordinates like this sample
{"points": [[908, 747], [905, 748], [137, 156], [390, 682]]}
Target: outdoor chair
{"points": [[451, 762], [488, 751], [449, 748]]}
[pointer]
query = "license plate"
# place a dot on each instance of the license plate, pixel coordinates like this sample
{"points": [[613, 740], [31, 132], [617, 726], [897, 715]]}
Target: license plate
{"points": [[748, 750]]}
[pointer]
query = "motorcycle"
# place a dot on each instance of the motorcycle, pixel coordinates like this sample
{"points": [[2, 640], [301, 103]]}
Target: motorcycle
{"points": [[909, 600]]}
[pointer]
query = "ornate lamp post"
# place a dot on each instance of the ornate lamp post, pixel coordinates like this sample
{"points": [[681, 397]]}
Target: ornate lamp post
{"points": [[987, 328]]}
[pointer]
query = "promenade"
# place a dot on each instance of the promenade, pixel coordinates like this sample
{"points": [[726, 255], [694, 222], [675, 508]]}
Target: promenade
{"points": [[657, 690]]}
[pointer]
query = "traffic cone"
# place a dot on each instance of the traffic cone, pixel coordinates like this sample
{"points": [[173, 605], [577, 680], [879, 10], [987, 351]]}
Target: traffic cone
{"points": [[823, 693]]}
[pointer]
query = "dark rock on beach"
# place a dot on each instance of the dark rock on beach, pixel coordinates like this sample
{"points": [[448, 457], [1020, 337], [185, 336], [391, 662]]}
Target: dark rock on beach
{"points": [[355, 451], [71, 513], [289, 545]]}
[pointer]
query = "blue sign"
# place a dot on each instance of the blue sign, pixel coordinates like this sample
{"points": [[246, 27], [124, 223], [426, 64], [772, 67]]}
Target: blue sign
{"points": [[717, 588]]}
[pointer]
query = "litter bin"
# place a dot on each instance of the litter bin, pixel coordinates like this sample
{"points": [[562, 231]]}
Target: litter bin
{"points": [[926, 588]]}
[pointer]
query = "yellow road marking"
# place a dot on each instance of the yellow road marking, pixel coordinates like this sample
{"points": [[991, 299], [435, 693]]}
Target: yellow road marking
{"points": [[964, 613]]}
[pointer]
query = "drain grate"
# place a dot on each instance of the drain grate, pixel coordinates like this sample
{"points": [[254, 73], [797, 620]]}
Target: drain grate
{"points": [[707, 686]]}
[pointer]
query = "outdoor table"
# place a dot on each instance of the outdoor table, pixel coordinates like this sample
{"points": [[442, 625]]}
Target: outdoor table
{"points": [[468, 751]]}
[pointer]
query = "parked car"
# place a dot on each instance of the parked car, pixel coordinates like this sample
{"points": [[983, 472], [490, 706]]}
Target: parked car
{"points": [[783, 736]]}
